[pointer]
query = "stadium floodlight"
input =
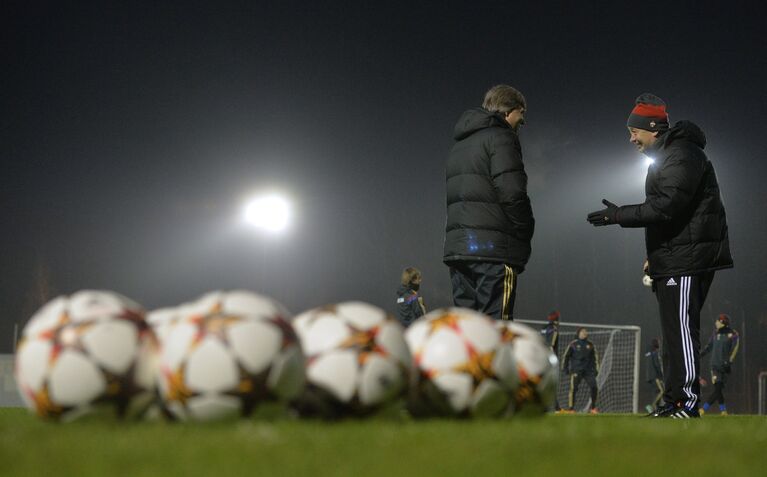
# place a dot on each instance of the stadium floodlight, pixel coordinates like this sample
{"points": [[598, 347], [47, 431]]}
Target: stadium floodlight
{"points": [[270, 212], [648, 161]]}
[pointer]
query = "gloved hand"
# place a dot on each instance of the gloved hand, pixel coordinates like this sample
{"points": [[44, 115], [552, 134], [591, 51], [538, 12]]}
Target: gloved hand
{"points": [[606, 216]]}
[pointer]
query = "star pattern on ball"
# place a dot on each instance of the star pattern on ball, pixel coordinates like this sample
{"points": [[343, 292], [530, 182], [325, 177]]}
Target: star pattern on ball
{"points": [[479, 365], [44, 405], [177, 390], [448, 320], [364, 341]]}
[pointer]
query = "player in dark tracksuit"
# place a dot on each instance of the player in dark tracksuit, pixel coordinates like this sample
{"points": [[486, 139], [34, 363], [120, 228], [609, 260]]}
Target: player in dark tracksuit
{"points": [[410, 304], [723, 347], [550, 333], [581, 362], [655, 372]]}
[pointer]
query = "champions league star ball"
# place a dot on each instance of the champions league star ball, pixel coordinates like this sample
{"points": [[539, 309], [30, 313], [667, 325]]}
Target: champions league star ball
{"points": [[463, 367], [91, 351], [162, 321], [226, 353], [356, 359], [537, 365]]}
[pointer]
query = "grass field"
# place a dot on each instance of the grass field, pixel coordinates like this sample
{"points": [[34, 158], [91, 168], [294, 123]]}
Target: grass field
{"points": [[569, 445]]}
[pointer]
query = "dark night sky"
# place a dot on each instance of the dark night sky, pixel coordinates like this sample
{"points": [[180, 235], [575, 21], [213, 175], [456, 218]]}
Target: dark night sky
{"points": [[130, 136]]}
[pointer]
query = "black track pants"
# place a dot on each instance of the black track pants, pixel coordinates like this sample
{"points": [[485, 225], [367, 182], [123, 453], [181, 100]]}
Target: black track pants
{"points": [[718, 394], [680, 299], [575, 383], [488, 287]]}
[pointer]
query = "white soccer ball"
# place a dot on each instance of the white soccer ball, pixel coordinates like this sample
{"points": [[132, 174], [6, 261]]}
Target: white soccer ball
{"points": [[537, 365], [162, 321], [357, 359], [463, 367], [226, 353], [91, 351]]}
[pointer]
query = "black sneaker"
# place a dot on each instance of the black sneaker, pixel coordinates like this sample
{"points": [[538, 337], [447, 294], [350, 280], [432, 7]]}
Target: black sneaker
{"points": [[663, 410], [684, 413]]}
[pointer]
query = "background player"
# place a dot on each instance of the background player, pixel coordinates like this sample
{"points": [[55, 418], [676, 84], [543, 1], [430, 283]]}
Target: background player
{"points": [[581, 362], [723, 346]]}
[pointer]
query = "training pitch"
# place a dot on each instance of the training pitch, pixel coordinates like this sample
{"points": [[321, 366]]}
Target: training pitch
{"points": [[572, 445]]}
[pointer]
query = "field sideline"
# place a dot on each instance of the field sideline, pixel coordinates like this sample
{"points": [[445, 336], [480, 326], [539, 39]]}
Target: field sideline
{"points": [[572, 445]]}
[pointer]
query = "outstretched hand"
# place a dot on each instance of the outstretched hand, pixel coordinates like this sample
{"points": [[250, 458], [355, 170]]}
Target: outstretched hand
{"points": [[606, 216]]}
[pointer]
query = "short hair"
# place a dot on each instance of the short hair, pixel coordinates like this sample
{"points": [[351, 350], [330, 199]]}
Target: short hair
{"points": [[503, 98], [409, 274]]}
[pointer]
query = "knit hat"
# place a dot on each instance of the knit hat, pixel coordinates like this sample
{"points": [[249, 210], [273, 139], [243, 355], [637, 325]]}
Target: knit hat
{"points": [[725, 319], [649, 113], [553, 316]]}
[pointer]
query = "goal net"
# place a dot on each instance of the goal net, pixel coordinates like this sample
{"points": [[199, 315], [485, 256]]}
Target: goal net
{"points": [[618, 379]]}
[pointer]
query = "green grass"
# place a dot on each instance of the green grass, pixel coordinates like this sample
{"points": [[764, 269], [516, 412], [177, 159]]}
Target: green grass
{"points": [[615, 445]]}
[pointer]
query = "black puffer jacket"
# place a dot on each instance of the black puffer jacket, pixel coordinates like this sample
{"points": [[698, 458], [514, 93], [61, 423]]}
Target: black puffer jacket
{"points": [[489, 217], [686, 226]]}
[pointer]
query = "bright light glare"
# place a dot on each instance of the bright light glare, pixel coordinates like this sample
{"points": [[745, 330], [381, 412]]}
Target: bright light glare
{"points": [[270, 213], [648, 161]]}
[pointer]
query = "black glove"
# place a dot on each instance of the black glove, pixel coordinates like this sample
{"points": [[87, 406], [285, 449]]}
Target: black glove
{"points": [[606, 216]]}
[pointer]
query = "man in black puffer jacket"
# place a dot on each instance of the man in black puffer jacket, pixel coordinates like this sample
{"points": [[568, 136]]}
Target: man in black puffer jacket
{"points": [[686, 237], [489, 219]]}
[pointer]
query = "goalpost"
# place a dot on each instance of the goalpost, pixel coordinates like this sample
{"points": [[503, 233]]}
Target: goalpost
{"points": [[619, 355]]}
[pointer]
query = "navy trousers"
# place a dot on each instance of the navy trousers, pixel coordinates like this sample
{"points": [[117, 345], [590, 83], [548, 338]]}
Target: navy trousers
{"points": [[487, 287]]}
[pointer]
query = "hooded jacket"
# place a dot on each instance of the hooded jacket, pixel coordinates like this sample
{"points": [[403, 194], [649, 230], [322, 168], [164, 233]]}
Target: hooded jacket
{"points": [[489, 217], [683, 215]]}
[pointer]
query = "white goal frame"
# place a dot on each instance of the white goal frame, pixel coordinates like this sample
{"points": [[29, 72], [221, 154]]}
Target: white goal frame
{"points": [[592, 326]]}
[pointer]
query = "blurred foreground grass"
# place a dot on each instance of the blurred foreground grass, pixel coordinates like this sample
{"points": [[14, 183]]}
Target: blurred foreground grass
{"points": [[615, 445]]}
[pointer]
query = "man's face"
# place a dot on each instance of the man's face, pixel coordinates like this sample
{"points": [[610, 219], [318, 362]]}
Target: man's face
{"points": [[583, 334], [642, 138], [516, 118]]}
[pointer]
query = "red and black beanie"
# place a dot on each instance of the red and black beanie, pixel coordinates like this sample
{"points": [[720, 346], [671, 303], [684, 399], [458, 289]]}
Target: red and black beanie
{"points": [[725, 319], [554, 316], [649, 113]]}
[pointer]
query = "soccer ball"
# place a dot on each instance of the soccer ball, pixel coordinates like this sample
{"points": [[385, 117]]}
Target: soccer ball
{"points": [[357, 359], [537, 365], [463, 368], [226, 353], [91, 351], [162, 321]]}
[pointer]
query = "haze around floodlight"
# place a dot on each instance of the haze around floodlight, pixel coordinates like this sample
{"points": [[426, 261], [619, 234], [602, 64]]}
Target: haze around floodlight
{"points": [[271, 213]]}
